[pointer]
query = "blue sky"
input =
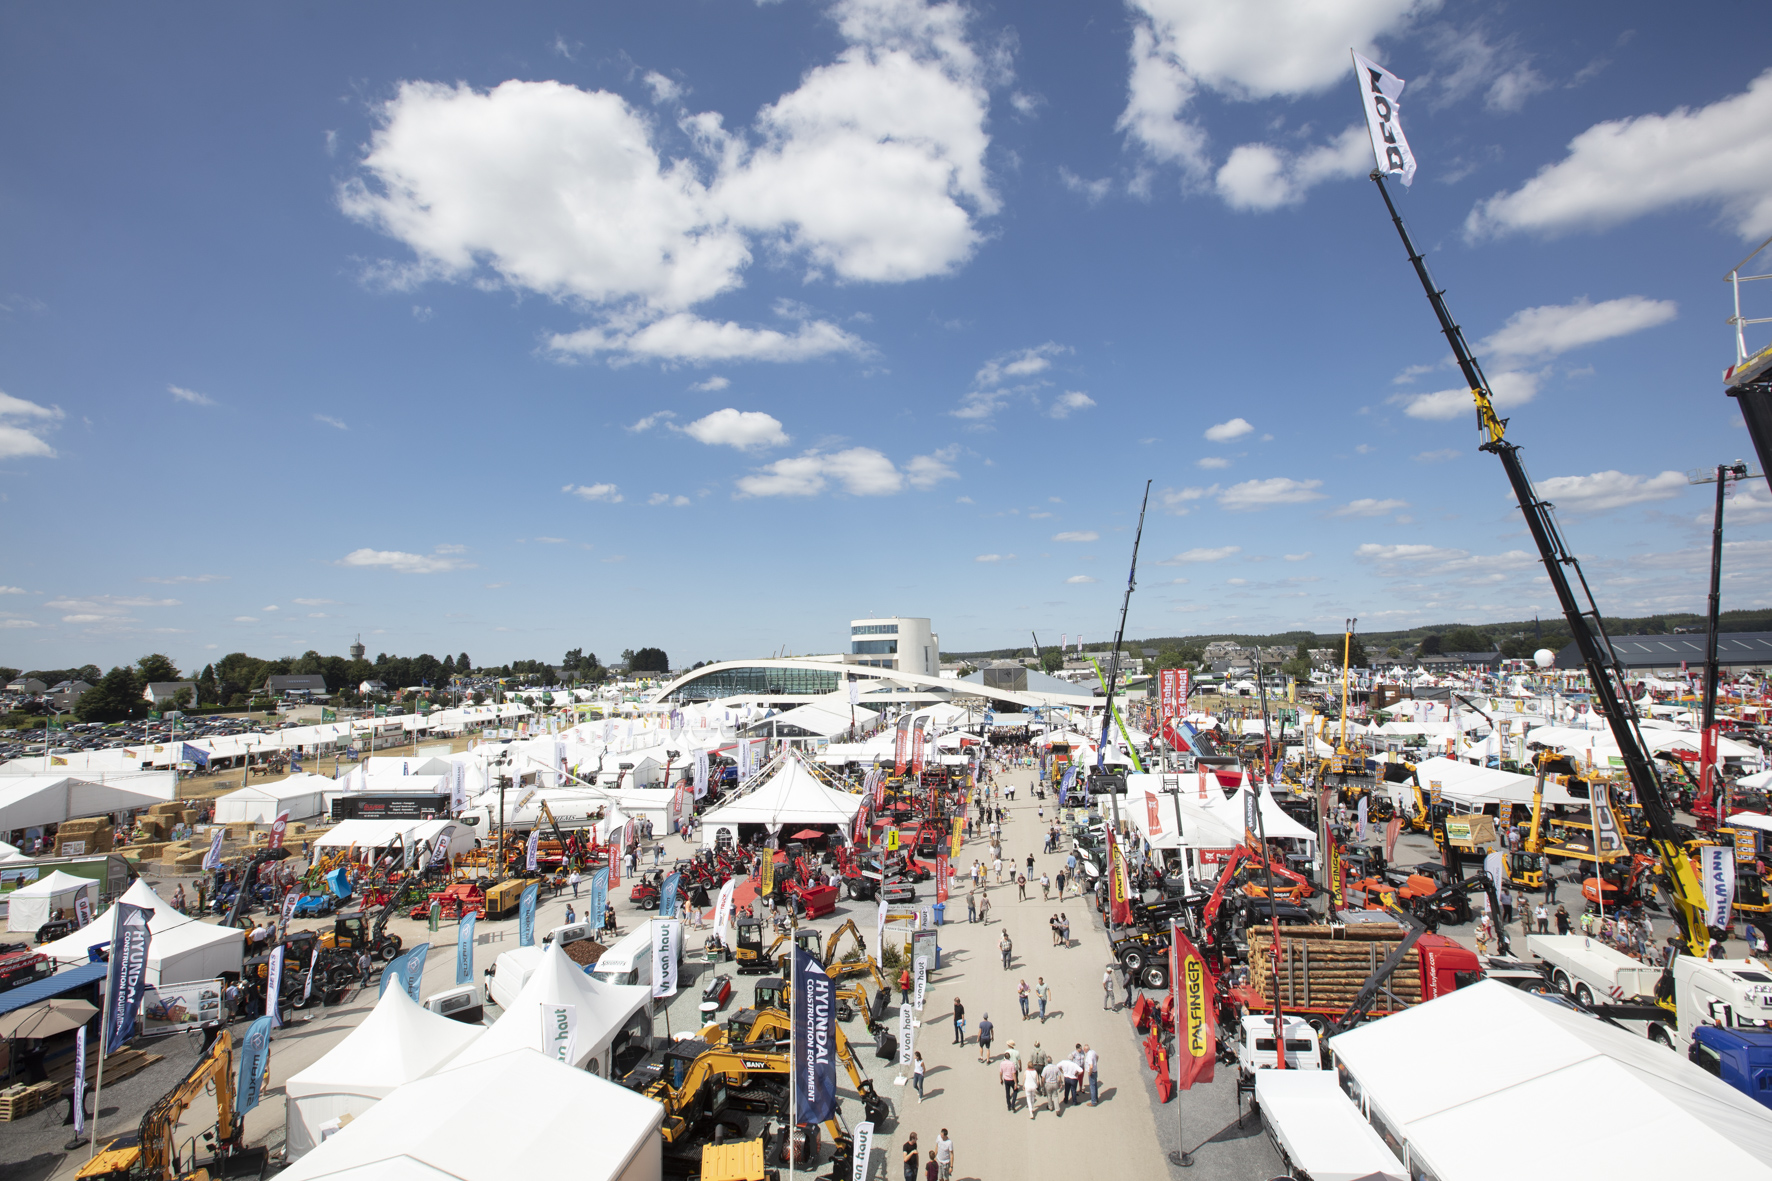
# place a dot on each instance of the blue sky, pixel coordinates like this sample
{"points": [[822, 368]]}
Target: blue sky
{"points": [[713, 325]]}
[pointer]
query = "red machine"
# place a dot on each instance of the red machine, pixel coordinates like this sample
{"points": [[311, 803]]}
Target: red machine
{"points": [[462, 898]]}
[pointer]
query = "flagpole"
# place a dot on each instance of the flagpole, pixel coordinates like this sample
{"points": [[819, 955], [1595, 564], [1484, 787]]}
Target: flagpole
{"points": [[98, 1087]]}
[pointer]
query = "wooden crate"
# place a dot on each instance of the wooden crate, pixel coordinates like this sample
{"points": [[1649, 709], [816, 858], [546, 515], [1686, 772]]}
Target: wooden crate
{"points": [[18, 1102]]}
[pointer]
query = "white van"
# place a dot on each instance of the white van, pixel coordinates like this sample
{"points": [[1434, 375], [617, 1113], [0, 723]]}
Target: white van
{"points": [[629, 960]]}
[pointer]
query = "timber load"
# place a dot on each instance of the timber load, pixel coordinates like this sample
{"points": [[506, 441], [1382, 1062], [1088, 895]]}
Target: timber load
{"points": [[1324, 967]]}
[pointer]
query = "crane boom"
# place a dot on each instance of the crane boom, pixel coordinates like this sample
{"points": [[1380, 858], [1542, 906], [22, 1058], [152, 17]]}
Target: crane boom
{"points": [[1589, 629]]}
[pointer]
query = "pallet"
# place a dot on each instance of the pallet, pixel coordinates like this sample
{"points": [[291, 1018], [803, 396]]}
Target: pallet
{"points": [[118, 1066], [20, 1101]]}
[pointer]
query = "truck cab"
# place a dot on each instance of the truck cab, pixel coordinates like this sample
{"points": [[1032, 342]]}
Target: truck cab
{"points": [[1731, 994], [1256, 1049], [1740, 1057]]}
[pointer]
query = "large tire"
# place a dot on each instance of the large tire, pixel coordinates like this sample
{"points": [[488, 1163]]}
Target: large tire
{"points": [[1660, 1036], [1133, 958], [650, 904], [1584, 995], [387, 947], [1560, 980], [1154, 976]]}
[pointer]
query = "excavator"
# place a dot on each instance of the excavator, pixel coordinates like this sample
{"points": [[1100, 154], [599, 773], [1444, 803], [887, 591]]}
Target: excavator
{"points": [[357, 932], [770, 1028], [151, 1152], [753, 959], [248, 880]]}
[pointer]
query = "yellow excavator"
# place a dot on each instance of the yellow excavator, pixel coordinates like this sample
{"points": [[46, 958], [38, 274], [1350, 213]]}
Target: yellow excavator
{"points": [[750, 1029], [151, 1152]]}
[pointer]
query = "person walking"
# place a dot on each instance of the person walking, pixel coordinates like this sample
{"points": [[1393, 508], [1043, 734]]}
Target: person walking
{"points": [[1542, 914], [1030, 865], [1107, 989], [944, 1156], [985, 1030], [1053, 923], [959, 1023], [1071, 1073], [1009, 1076], [984, 909], [1030, 1086], [931, 1170], [910, 1158], [1092, 1074], [1007, 948], [1021, 886], [1064, 928], [574, 879], [917, 1075], [1051, 1084], [1562, 919], [997, 865], [1043, 993], [1058, 881], [1046, 887], [972, 906], [1021, 994]]}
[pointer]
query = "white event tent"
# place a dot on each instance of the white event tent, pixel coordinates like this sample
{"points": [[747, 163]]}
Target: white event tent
{"points": [[29, 801], [609, 1016], [518, 1115], [384, 834], [31, 906], [259, 803], [181, 948], [397, 1042], [793, 795], [1424, 1074]]}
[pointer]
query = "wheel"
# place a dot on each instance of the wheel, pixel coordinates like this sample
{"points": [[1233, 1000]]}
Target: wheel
{"points": [[1584, 995], [650, 903], [1560, 980], [1659, 1035], [1133, 959], [1154, 976], [387, 947]]}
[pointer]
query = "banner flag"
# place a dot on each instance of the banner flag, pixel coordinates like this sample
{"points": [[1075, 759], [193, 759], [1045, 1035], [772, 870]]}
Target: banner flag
{"points": [[526, 916], [278, 827], [409, 849], [667, 896], [815, 1027], [1119, 889], [1251, 822], [701, 774], [1718, 864], [532, 849], [766, 872], [1381, 91], [255, 1059], [127, 975], [723, 907], [901, 745], [667, 942], [1153, 814], [1360, 819], [80, 1081], [193, 754], [559, 1032], [274, 987], [941, 877], [863, 1141], [83, 908], [464, 949], [1337, 878], [1607, 838], [959, 835], [1392, 829], [440, 847], [907, 1036], [919, 737], [921, 986], [212, 859], [1196, 1011]]}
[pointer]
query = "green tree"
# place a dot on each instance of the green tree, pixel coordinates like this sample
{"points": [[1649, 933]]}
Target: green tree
{"points": [[1357, 654], [207, 691], [1429, 646], [463, 664], [1299, 667], [649, 660], [115, 698], [1051, 660], [1465, 639], [155, 667]]}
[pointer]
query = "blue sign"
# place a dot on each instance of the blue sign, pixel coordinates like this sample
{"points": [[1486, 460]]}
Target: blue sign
{"points": [[526, 916], [255, 1056], [667, 896], [464, 950], [1064, 785], [815, 1027], [599, 898], [408, 969], [127, 975]]}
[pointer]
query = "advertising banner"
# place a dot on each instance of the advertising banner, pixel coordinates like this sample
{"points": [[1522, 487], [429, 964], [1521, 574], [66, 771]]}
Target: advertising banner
{"points": [[80, 1082], [127, 976], [1717, 867], [1197, 1023], [667, 942], [815, 1027], [921, 976], [167, 1007], [559, 1032], [526, 916], [440, 846], [1337, 878], [464, 949], [701, 774], [941, 879], [1607, 837], [1153, 814], [212, 859], [667, 896], [863, 1141], [766, 872], [531, 849], [723, 907], [255, 1060], [901, 745], [291, 899], [907, 1036], [274, 987], [278, 827], [1382, 91]]}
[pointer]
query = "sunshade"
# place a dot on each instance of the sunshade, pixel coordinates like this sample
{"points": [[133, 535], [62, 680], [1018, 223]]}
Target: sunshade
{"points": [[46, 1019], [807, 834]]}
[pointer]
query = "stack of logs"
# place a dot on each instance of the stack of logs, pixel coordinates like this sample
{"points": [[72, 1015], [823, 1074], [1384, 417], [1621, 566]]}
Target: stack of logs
{"points": [[1325, 967]]}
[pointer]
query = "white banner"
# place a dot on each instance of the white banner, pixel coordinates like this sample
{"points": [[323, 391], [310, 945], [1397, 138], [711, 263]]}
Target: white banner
{"points": [[922, 978], [907, 1035], [80, 1083], [534, 847], [880, 927], [559, 1032], [701, 775], [667, 935], [1380, 91], [274, 987], [1718, 865], [458, 786], [862, 1143], [723, 907]]}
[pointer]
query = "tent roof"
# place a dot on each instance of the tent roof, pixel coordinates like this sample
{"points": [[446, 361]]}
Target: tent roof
{"points": [[1420, 1069], [282, 789], [557, 980], [31, 800], [73, 946], [437, 1127], [379, 834], [1474, 784], [793, 795], [1275, 823], [56, 883], [188, 937], [1205, 827], [397, 1042]]}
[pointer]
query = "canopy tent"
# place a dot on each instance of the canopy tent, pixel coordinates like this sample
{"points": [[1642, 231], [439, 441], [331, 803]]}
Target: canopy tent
{"points": [[436, 1128], [1152, 813], [397, 1042], [1658, 739], [380, 766], [385, 834], [182, 948], [793, 795], [32, 800], [1422, 1073], [1751, 820], [33, 905], [610, 1016], [1476, 786], [1276, 824], [822, 719], [260, 803], [1323, 1133], [1758, 781]]}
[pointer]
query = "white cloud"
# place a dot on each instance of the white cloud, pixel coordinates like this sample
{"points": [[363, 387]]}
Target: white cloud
{"points": [[1176, 500], [1440, 456], [1069, 402], [1262, 177], [652, 420], [317, 602], [1475, 63], [603, 492], [1557, 328], [401, 562], [1242, 52], [684, 336], [861, 471], [1718, 155], [1005, 375], [1224, 432], [1369, 507], [1076, 578], [665, 498], [191, 397], [1212, 463], [245, 619], [1077, 535], [712, 385], [21, 425], [331, 421], [993, 557], [1304, 557], [451, 549], [272, 607], [1609, 490], [1372, 551], [871, 170], [742, 429], [175, 579], [1202, 554], [1092, 190], [664, 90], [12, 590], [1260, 494], [1510, 388]]}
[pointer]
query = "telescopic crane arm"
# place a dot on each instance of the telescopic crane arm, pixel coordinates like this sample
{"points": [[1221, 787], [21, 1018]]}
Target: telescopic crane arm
{"points": [[1584, 620]]}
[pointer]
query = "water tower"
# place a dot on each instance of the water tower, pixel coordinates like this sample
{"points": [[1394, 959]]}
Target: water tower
{"points": [[357, 649]]}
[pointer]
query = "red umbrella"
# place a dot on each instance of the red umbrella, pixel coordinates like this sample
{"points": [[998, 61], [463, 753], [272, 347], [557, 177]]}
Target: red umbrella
{"points": [[807, 834]]}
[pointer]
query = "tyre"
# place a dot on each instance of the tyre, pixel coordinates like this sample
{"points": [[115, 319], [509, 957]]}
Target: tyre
{"points": [[1584, 995], [1660, 1036], [650, 903], [1560, 980], [1154, 976], [1133, 958], [387, 947]]}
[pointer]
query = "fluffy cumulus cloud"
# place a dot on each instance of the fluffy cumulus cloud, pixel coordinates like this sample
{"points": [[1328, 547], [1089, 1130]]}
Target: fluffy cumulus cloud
{"points": [[1202, 554], [1008, 375], [1224, 432], [23, 424], [1557, 328], [404, 563], [871, 170], [189, 397], [1507, 389], [1069, 402], [1369, 507], [608, 493], [1609, 490], [1182, 47], [1260, 177], [1179, 501], [1717, 156], [859, 471], [1276, 490], [743, 429]]}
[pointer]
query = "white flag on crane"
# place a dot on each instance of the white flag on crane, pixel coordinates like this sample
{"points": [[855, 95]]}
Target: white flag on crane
{"points": [[1381, 92]]}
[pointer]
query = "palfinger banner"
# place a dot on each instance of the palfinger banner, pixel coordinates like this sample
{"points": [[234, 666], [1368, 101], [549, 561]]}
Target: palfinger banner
{"points": [[1119, 889], [1196, 1014], [1718, 865], [1381, 92], [1337, 878]]}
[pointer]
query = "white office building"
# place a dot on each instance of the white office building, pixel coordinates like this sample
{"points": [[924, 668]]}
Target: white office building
{"points": [[904, 645]]}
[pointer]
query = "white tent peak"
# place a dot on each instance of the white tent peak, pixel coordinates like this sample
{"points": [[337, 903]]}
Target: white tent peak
{"points": [[558, 980], [793, 795]]}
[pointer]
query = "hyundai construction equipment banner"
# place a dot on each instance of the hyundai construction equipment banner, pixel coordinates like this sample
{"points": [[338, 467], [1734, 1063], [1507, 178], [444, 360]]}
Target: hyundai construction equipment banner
{"points": [[815, 1029], [128, 974]]}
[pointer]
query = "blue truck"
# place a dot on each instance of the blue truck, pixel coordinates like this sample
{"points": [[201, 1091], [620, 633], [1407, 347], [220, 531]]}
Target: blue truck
{"points": [[1740, 1057]]}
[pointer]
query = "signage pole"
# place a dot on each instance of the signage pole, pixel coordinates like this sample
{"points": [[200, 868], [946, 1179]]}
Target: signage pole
{"points": [[1181, 1158], [98, 1087]]}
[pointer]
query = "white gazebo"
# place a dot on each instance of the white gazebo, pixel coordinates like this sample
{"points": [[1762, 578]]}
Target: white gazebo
{"points": [[793, 795]]}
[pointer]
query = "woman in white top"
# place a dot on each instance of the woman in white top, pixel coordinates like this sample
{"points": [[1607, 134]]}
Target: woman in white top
{"points": [[1030, 1087]]}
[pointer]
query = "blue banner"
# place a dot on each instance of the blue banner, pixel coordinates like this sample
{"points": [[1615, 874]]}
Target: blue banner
{"points": [[599, 898], [526, 916], [408, 969], [1066, 784], [193, 754], [127, 975], [255, 1056], [464, 950], [815, 1028], [667, 896]]}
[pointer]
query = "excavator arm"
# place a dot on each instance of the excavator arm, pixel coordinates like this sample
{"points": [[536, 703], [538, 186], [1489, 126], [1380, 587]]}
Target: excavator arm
{"points": [[775, 1026], [155, 1152], [831, 944], [248, 880]]}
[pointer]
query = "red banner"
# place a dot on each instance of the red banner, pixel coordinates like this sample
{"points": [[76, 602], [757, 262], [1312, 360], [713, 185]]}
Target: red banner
{"points": [[1119, 889], [1196, 1017], [901, 745], [278, 827], [1391, 830], [1154, 814], [941, 877], [1172, 694], [917, 749]]}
